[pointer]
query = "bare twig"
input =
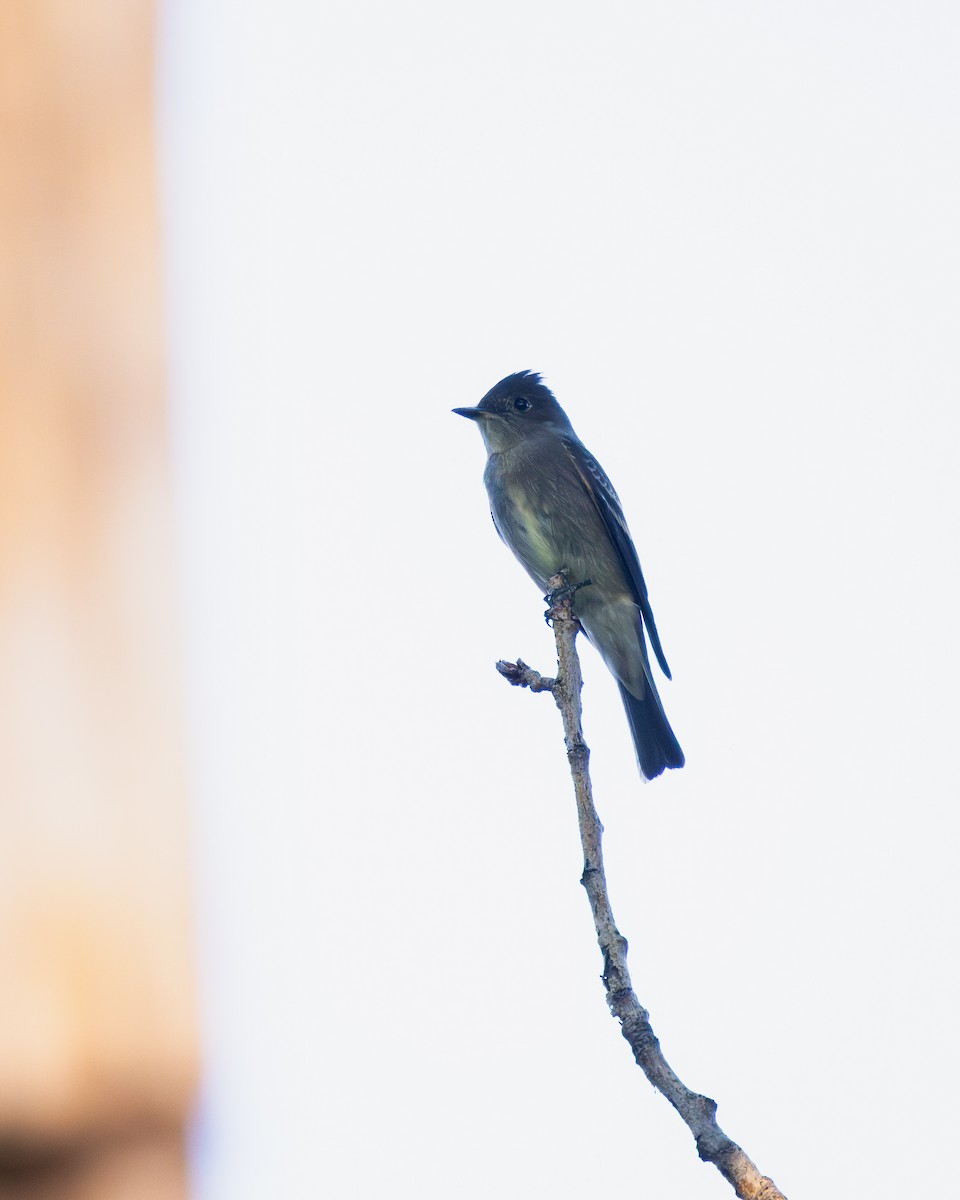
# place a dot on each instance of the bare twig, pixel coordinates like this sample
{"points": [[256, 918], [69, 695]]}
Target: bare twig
{"points": [[699, 1112], [520, 675]]}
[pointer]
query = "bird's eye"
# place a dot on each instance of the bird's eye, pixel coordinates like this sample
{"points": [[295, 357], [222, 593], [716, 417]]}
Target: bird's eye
{"points": [[521, 404]]}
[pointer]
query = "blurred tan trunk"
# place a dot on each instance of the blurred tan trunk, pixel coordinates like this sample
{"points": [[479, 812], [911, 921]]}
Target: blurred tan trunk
{"points": [[97, 1023]]}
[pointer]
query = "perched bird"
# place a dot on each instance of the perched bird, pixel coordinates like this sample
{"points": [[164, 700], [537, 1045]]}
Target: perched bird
{"points": [[555, 508]]}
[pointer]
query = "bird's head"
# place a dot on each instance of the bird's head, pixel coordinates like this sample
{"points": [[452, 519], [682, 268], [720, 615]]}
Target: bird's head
{"points": [[514, 409]]}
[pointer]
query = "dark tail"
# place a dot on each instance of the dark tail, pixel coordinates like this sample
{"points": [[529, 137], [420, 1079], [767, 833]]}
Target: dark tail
{"points": [[656, 743]]}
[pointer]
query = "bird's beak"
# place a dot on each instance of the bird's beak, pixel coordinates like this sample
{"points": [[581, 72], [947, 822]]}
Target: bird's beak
{"points": [[473, 414]]}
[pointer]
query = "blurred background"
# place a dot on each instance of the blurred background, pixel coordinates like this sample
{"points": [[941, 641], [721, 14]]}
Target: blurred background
{"points": [[98, 1035], [289, 897]]}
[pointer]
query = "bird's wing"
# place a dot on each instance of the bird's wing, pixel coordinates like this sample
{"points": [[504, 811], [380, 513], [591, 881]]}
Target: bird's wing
{"points": [[608, 505]]}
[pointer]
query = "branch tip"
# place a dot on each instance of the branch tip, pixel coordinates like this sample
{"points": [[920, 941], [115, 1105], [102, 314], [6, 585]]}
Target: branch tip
{"points": [[520, 675]]}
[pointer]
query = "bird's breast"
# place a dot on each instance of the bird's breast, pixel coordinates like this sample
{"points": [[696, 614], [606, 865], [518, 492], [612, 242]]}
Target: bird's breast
{"points": [[544, 514], [528, 529]]}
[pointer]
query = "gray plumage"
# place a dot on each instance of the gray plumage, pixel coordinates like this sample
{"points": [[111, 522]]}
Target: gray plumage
{"points": [[555, 508]]}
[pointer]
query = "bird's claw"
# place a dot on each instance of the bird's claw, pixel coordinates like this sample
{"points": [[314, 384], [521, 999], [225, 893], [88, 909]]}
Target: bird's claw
{"points": [[566, 591]]}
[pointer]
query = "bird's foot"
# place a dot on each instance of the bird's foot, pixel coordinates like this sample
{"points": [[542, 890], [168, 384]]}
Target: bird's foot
{"points": [[561, 592]]}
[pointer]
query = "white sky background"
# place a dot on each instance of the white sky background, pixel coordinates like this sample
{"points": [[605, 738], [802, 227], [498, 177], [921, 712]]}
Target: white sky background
{"points": [[728, 235]]}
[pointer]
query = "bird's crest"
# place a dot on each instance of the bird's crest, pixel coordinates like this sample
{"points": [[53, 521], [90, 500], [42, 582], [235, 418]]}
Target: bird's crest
{"points": [[521, 383]]}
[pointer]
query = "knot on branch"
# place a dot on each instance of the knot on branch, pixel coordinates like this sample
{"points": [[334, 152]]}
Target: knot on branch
{"points": [[707, 1110], [593, 877], [578, 755]]}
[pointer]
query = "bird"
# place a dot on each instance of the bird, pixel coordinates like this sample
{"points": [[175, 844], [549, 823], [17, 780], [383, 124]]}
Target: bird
{"points": [[556, 510]]}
